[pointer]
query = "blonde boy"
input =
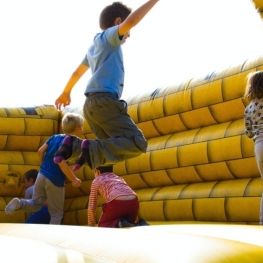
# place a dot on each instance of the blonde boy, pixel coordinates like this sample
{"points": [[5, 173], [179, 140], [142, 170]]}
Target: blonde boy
{"points": [[50, 182]]}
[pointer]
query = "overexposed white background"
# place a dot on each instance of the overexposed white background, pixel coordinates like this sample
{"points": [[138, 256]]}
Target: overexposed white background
{"points": [[42, 42]]}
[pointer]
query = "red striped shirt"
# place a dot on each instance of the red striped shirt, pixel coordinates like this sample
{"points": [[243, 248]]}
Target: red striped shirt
{"points": [[109, 186]]}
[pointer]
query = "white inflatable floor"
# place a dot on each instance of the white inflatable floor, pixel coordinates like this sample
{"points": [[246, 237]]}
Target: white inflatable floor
{"points": [[159, 243]]}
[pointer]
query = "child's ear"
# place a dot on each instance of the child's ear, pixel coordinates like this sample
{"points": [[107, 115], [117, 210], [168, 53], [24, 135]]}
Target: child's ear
{"points": [[31, 180], [117, 21]]}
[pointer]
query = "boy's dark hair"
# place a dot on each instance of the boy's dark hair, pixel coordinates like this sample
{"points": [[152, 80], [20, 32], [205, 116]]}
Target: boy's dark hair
{"points": [[105, 169], [31, 174], [111, 12], [254, 88]]}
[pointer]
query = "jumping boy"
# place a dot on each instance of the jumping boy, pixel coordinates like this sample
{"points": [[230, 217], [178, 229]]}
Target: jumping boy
{"points": [[118, 136], [50, 183]]}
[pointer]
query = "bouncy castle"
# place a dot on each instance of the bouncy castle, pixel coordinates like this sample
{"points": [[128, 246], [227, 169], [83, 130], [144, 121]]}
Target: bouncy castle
{"points": [[198, 184]]}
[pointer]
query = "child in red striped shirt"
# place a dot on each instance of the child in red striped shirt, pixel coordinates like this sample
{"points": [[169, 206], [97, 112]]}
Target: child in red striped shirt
{"points": [[121, 203]]}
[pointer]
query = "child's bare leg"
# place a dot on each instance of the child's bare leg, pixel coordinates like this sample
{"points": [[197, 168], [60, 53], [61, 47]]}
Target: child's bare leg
{"points": [[64, 151]]}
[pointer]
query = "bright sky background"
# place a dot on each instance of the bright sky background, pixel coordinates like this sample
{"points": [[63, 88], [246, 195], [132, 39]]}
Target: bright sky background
{"points": [[43, 41]]}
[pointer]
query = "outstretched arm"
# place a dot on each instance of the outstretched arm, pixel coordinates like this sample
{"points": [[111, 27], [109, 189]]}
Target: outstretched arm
{"points": [[64, 98], [135, 17]]}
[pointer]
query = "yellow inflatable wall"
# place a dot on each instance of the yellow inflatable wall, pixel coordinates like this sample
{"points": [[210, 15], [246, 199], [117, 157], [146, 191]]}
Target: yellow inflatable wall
{"points": [[199, 165], [198, 184], [259, 6]]}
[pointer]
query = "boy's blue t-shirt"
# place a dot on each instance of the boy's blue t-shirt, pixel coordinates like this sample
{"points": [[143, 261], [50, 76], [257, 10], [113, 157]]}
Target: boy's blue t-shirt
{"points": [[105, 59], [50, 169]]}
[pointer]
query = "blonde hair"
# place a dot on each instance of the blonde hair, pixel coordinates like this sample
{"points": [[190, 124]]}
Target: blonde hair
{"points": [[71, 121], [254, 88]]}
